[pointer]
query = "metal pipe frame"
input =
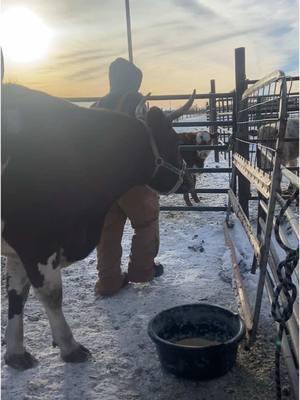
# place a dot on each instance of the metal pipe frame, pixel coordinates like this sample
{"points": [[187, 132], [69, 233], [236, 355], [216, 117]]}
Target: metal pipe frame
{"points": [[209, 190], [275, 185], [211, 170], [128, 24], [288, 78], [200, 123], [191, 147], [281, 232], [213, 116], [292, 218], [160, 97], [273, 261], [258, 121], [193, 208], [286, 351], [267, 80]]}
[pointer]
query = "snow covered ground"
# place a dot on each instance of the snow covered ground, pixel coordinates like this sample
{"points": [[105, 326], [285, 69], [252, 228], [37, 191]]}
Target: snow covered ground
{"points": [[125, 364]]}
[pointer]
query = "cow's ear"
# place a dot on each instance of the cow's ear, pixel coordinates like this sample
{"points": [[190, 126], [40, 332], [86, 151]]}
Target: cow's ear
{"points": [[155, 118]]}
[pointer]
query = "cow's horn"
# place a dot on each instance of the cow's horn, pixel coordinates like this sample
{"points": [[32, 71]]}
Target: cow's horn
{"points": [[140, 108], [180, 111]]}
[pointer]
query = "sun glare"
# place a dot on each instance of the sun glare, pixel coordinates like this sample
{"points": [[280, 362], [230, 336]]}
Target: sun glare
{"points": [[24, 36]]}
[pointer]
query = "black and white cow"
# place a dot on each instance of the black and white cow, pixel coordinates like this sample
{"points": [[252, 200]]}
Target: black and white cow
{"points": [[63, 168]]}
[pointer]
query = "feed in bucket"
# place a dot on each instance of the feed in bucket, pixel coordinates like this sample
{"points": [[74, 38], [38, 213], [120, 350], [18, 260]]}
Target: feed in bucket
{"points": [[197, 341]]}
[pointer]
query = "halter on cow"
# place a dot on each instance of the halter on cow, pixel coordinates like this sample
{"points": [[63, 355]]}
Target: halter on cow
{"points": [[65, 166]]}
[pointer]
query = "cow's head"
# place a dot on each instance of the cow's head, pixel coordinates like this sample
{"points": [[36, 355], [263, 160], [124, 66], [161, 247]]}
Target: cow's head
{"points": [[170, 174], [195, 158]]}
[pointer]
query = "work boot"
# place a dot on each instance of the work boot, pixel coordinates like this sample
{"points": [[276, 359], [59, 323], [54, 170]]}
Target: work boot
{"points": [[158, 269], [142, 276], [110, 286]]}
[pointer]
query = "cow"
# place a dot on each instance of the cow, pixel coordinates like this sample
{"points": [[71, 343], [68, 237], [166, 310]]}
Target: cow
{"points": [[290, 150], [64, 166], [195, 158]]}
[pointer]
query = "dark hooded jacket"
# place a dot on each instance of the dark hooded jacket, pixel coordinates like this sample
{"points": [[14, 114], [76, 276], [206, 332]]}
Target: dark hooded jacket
{"points": [[125, 80]]}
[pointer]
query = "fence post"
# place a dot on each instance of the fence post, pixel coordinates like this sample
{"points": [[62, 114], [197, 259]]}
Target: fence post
{"points": [[242, 131], [129, 40], [213, 116]]}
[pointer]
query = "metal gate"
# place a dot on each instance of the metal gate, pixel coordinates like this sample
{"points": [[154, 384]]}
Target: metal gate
{"points": [[216, 122], [259, 148]]}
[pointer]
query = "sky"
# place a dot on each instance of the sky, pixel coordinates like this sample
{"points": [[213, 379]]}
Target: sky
{"points": [[178, 44]]}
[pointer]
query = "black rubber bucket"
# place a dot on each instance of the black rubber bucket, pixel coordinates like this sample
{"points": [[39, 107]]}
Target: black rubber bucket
{"points": [[197, 341]]}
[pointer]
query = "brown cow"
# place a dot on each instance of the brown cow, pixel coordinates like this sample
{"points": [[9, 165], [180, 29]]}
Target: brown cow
{"points": [[197, 157]]}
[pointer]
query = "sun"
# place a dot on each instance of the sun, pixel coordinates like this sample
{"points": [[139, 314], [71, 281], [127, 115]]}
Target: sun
{"points": [[24, 36]]}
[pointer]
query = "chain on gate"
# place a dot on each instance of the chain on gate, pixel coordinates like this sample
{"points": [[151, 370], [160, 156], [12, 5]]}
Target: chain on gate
{"points": [[282, 313]]}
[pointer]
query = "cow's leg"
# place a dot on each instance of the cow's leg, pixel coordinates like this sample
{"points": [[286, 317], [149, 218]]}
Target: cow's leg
{"points": [[50, 294], [17, 288]]}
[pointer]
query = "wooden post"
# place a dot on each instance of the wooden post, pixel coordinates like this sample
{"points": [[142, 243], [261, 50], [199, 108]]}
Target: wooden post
{"points": [[242, 132], [130, 55], [213, 116]]}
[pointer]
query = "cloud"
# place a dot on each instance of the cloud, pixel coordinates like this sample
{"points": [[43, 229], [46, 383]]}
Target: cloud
{"points": [[202, 42], [87, 73], [196, 8], [79, 57], [169, 39]]}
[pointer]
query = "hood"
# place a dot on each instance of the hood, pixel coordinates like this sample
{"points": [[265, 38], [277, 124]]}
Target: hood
{"points": [[124, 77]]}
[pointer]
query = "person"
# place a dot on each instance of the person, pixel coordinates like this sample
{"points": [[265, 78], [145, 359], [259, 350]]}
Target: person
{"points": [[140, 204]]}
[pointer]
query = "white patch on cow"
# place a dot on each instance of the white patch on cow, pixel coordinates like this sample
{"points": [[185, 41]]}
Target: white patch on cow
{"points": [[15, 269], [47, 271], [203, 138], [203, 154], [50, 295], [17, 281]]}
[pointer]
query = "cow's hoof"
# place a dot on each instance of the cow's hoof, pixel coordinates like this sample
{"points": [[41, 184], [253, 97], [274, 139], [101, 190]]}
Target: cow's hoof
{"points": [[21, 361], [81, 354]]}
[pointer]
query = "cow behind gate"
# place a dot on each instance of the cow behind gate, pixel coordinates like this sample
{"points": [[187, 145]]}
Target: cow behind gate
{"points": [[64, 167], [290, 150], [195, 158]]}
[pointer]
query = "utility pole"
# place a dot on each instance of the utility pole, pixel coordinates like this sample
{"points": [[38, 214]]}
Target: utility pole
{"points": [[128, 31]]}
